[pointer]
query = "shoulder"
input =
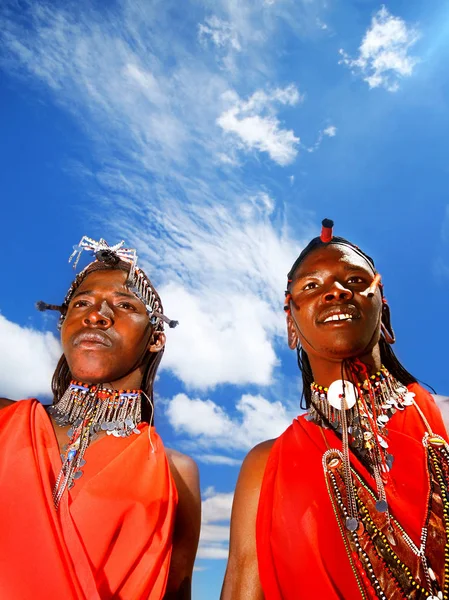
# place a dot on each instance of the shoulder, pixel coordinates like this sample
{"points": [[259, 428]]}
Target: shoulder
{"points": [[186, 531], [184, 471], [249, 483], [4, 402], [250, 479], [181, 465], [253, 467]]}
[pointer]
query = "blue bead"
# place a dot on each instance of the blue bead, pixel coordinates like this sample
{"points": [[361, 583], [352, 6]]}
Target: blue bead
{"points": [[71, 455]]}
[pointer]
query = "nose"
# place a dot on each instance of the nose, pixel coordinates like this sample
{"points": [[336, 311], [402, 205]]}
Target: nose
{"points": [[337, 292], [100, 316]]}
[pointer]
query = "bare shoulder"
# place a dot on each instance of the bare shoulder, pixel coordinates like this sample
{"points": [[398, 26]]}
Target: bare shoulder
{"points": [[181, 464], [186, 532], [4, 402], [253, 467]]}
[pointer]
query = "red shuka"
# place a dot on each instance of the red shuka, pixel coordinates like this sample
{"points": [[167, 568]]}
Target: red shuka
{"points": [[301, 553], [112, 534]]}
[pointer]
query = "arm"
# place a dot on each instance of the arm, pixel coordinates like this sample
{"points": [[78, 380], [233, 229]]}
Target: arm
{"points": [[242, 575], [187, 526]]}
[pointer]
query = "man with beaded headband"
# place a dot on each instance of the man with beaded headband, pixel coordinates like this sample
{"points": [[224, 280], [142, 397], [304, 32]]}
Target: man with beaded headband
{"points": [[92, 504], [352, 500]]}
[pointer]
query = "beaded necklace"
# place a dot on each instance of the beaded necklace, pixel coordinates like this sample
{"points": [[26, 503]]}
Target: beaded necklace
{"points": [[386, 563], [385, 560], [360, 414], [90, 409]]}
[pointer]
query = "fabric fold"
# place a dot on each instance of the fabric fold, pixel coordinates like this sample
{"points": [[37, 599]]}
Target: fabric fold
{"points": [[300, 548], [112, 534]]}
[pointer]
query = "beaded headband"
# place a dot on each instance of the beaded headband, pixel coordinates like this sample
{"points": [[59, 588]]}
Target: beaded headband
{"points": [[139, 283]]}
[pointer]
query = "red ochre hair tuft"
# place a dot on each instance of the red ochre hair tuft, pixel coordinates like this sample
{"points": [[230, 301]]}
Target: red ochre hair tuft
{"points": [[326, 230]]}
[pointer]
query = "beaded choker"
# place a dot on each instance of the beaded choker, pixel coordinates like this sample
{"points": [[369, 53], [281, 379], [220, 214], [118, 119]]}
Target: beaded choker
{"points": [[90, 409]]}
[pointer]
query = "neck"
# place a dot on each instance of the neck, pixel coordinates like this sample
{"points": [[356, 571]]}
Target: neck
{"points": [[326, 371]]}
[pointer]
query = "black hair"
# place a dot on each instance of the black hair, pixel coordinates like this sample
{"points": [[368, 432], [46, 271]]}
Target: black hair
{"points": [[62, 376], [388, 357]]}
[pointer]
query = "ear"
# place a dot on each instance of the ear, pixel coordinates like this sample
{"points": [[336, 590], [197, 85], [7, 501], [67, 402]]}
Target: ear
{"points": [[157, 342], [292, 333]]}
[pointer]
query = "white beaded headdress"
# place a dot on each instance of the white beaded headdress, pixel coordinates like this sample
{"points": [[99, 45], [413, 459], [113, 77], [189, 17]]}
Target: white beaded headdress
{"points": [[138, 282]]}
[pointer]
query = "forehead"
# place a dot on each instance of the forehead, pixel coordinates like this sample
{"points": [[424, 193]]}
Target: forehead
{"points": [[334, 256], [113, 279]]}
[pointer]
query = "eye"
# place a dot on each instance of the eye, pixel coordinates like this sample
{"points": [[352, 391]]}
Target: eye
{"points": [[126, 306], [80, 303], [356, 279], [310, 286]]}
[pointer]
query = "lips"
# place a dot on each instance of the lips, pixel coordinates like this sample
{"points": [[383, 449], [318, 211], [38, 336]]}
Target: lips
{"points": [[339, 314], [91, 339]]}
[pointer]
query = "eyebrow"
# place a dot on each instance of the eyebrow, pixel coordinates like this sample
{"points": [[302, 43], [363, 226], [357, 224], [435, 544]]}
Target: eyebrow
{"points": [[346, 267], [116, 294]]}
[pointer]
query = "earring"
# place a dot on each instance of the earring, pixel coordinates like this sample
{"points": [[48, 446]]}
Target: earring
{"points": [[385, 324], [389, 336]]}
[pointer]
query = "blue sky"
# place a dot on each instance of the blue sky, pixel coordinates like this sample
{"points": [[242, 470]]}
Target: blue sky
{"points": [[214, 136]]}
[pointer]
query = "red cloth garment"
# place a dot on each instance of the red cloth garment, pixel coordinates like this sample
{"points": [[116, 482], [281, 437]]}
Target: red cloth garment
{"points": [[112, 534], [300, 549]]}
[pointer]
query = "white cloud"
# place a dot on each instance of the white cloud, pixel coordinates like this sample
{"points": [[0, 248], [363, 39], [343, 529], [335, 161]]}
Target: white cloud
{"points": [[217, 459], [207, 422], [384, 52], [330, 131], [219, 32], [255, 126], [216, 514], [28, 360], [217, 247]]}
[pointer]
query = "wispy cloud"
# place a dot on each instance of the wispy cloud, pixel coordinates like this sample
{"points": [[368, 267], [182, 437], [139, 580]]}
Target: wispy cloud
{"points": [[219, 32], [330, 131], [384, 57], [28, 360], [255, 125], [168, 136]]}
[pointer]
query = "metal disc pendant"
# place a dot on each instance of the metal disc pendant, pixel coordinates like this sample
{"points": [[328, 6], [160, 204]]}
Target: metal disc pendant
{"points": [[335, 394], [351, 523], [408, 399], [381, 506]]}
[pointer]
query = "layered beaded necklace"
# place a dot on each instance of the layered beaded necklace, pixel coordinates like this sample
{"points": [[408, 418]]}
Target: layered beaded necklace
{"points": [[387, 564], [90, 409], [360, 414]]}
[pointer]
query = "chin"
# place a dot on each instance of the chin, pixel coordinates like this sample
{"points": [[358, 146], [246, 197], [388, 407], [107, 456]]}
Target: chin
{"points": [[92, 373], [346, 351]]}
